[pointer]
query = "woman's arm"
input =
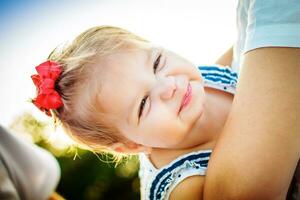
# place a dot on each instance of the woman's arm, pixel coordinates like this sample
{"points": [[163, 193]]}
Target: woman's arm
{"points": [[226, 58], [257, 153]]}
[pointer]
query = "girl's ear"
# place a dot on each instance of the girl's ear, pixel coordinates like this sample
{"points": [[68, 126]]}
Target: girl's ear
{"points": [[130, 148]]}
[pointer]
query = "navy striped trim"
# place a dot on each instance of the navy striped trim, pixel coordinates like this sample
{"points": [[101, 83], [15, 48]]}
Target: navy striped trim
{"points": [[216, 79], [200, 158], [219, 75], [223, 76], [223, 70]]}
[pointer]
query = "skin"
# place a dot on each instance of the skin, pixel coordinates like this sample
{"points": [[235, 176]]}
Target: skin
{"points": [[264, 115], [161, 125], [226, 58]]}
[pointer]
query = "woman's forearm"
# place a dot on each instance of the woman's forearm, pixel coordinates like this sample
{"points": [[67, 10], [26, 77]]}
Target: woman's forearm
{"points": [[257, 153], [226, 58]]}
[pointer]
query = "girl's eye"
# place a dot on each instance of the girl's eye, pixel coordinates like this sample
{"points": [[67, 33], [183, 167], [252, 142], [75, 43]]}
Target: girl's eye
{"points": [[144, 100], [142, 106], [156, 63]]}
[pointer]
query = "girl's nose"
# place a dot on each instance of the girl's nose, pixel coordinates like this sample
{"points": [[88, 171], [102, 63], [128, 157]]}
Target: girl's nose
{"points": [[167, 87]]}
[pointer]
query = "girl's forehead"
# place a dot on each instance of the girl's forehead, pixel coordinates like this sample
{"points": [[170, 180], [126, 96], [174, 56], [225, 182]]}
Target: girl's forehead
{"points": [[117, 98], [123, 61], [119, 75]]}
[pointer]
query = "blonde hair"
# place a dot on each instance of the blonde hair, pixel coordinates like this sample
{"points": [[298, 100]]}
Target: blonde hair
{"points": [[81, 115]]}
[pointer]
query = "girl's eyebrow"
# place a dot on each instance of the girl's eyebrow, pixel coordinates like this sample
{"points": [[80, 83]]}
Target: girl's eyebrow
{"points": [[135, 105]]}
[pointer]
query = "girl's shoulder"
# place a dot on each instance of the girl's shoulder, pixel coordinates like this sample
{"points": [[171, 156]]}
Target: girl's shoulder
{"points": [[159, 183]]}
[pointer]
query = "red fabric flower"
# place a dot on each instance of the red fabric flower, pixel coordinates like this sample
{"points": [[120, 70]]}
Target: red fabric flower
{"points": [[47, 98]]}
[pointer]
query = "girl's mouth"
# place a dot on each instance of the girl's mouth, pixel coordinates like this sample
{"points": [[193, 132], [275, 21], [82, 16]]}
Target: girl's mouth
{"points": [[186, 98]]}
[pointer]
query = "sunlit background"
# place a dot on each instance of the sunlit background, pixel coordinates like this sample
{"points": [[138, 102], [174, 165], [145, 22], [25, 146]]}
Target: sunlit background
{"points": [[198, 30]]}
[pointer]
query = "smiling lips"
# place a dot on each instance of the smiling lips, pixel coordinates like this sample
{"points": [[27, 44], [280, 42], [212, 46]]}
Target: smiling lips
{"points": [[187, 97]]}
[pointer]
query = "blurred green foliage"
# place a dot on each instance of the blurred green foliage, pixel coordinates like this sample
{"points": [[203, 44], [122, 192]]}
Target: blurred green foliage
{"points": [[84, 174], [89, 178]]}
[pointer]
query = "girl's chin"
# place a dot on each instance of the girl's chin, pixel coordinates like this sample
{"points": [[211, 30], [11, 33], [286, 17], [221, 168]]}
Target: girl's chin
{"points": [[199, 115]]}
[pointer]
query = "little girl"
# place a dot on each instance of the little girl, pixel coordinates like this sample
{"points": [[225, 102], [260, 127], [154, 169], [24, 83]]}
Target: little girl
{"points": [[113, 90]]}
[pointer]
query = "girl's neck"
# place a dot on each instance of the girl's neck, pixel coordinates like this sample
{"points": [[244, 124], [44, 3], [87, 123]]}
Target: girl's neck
{"points": [[218, 105], [216, 110]]}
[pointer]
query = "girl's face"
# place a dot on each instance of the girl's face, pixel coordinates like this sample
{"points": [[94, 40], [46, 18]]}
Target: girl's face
{"points": [[145, 90]]}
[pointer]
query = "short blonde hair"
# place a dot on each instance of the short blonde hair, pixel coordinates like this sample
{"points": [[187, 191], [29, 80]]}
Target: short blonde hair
{"points": [[81, 115]]}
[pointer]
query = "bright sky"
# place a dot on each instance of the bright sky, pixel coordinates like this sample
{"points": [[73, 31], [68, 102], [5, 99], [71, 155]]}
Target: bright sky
{"points": [[198, 30]]}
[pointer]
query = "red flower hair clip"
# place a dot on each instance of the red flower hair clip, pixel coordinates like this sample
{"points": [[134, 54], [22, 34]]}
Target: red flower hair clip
{"points": [[47, 97]]}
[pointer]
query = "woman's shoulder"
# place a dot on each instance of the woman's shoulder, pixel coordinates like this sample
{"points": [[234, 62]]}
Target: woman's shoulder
{"points": [[159, 183]]}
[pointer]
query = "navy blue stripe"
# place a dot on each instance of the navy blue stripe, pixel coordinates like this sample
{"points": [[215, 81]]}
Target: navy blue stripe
{"points": [[219, 76], [203, 163], [176, 164], [163, 183], [225, 70], [217, 80]]}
